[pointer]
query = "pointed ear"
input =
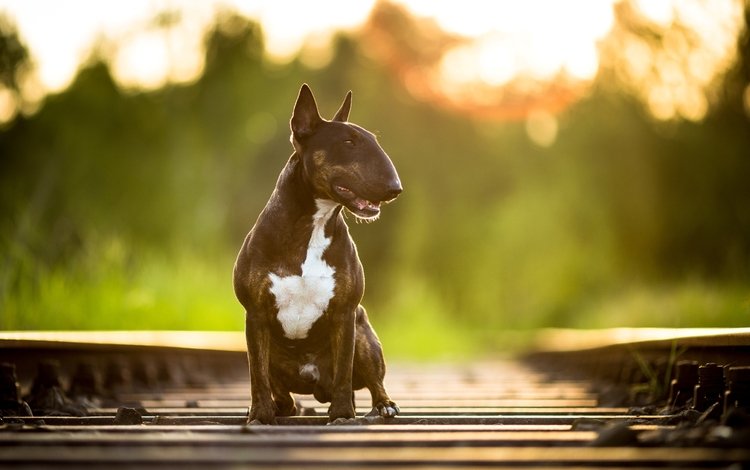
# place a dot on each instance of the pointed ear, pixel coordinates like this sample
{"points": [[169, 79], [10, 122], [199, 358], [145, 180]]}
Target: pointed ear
{"points": [[305, 117], [342, 114]]}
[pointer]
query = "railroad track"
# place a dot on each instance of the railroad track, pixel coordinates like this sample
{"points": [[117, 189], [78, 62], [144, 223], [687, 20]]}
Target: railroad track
{"points": [[179, 400]]}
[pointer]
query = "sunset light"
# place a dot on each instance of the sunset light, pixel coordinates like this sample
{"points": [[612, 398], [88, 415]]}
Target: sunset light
{"points": [[514, 39], [697, 45], [502, 59]]}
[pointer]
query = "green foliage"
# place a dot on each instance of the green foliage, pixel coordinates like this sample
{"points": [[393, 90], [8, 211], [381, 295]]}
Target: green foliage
{"points": [[416, 325], [13, 55], [109, 287], [125, 210]]}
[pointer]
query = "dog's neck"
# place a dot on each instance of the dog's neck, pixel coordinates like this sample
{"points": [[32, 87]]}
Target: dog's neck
{"points": [[294, 197]]}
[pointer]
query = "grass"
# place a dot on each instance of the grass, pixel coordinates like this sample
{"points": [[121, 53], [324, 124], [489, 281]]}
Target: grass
{"points": [[112, 287], [657, 387], [416, 326], [687, 304]]}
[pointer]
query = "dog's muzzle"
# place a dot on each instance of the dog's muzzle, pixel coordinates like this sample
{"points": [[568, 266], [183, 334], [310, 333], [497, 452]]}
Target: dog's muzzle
{"points": [[366, 208]]}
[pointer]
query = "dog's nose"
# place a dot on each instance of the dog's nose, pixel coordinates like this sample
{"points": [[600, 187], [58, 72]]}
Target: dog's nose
{"points": [[394, 191]]}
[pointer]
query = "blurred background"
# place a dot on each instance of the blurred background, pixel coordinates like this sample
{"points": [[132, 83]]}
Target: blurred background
{"points": [[566, 164]]}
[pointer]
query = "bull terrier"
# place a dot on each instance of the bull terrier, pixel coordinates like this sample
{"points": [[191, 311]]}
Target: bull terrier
{"points": [[299, 277]]}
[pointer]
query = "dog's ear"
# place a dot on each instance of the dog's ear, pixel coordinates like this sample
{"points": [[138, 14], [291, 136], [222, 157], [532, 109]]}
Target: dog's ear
{"points": [[342, 115], [305, 117]]}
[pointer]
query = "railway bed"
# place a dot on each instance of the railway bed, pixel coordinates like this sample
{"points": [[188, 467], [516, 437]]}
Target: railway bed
{"points": [[604, 399]]}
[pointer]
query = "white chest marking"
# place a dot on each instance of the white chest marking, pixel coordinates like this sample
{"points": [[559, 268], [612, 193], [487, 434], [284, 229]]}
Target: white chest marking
{"points": [[301, 300]]}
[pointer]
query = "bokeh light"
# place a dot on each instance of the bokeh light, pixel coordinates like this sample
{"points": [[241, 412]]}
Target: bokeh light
{"points": [[670, 53], [496, 59]]}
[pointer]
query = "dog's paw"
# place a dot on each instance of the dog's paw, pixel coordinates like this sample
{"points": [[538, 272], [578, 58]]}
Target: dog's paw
{"points": [[342, 411], [386, 409], [261, 415]]}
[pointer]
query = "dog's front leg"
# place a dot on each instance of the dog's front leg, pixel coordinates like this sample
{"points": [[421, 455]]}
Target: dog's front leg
{"points": [[342, 349], [257, 334]]}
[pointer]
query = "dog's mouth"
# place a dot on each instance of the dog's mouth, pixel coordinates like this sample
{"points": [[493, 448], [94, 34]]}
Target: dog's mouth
{"points": [[360, 207]]}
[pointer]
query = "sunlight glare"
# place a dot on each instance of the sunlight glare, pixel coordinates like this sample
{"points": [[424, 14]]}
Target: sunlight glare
{"points": [[142, 61], [289, 24], [660, 103], [583, 63], [538, 38], [541, 127], [516, 44], [7, 105], [157, 56], [675, 75], [504, 48], [66, 33], [457, 66], [660, 12], [145, 56]]}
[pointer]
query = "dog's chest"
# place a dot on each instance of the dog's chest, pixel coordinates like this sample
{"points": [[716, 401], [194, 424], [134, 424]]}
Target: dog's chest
{"points": [[302, 299]]}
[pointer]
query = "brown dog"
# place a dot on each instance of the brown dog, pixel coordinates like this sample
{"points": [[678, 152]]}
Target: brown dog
{"points": [[300, 279]]}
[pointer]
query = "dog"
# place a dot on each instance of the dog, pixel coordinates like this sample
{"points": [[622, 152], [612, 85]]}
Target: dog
{"points": [[299, 277]]}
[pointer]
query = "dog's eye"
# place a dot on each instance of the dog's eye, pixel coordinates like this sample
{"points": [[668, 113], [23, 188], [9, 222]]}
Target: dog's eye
{"points": [[349, 142]]}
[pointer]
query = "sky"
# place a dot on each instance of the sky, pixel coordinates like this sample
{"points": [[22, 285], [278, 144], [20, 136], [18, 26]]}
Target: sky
{"points": [[537, 39], [146, 56], [511, 38]]}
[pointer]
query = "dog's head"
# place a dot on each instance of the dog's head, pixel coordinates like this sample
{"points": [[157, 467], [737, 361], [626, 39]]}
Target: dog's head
{"points": [[342, 161]]}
